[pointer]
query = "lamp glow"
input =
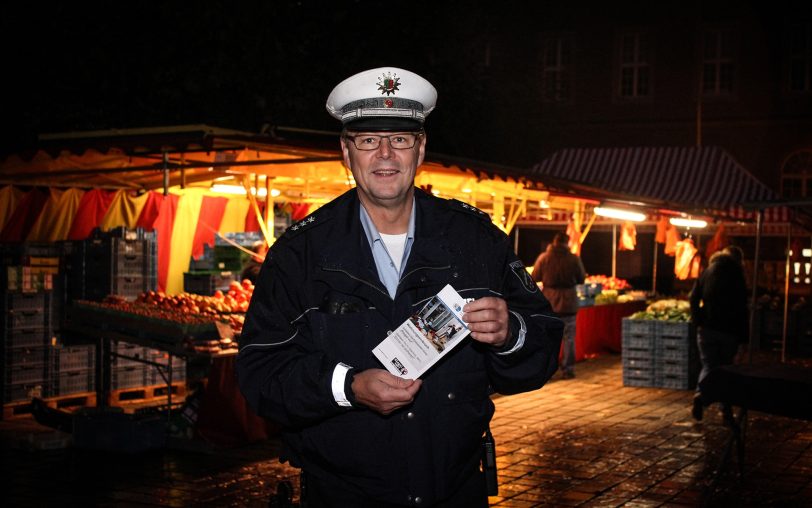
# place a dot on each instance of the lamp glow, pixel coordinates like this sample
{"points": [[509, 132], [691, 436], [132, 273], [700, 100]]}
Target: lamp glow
{"points": [[688, 223], [616, 213], [240, 191]]}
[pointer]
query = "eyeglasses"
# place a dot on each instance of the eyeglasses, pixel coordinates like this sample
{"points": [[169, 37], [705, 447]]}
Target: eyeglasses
{"points": [[398, 141]]}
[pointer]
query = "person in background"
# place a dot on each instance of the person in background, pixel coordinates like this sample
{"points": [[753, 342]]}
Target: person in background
{"points": [[719, 312], [252, 266], [337, 282], [559, 271]]}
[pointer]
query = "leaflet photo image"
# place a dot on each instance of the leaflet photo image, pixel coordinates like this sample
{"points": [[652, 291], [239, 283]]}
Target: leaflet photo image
{"points": [[438, 324]]}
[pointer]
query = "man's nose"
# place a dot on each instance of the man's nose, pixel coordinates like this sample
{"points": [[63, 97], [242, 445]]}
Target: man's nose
{"points": [[385, 148]]}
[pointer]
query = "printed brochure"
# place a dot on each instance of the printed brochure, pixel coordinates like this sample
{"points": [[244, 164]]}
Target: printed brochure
{"points": [[425, 337]]}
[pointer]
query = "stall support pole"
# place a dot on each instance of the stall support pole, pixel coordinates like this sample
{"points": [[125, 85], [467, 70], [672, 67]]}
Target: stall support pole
{"points": [[614, 250], [785, 326], [753, 346], [654, 270], [165, 158]]}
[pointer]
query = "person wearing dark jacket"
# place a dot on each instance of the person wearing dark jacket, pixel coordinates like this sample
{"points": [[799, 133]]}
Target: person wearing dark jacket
{"points": [[337, 282], [719, 311], [559, 271]]}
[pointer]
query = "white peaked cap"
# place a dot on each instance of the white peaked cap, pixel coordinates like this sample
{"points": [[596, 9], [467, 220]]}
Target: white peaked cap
{"points": [[386, 99]]}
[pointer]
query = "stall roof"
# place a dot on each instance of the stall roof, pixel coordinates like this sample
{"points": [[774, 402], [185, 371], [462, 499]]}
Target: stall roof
{"points": [[304, 165], [703, 179]]}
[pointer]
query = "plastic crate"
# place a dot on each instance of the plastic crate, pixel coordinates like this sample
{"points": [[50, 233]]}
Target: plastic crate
{"points": [[26, 356], [638, 326], [675, 382], [638, 377], [127, 349], [25, 391], [154, 377], [639, 363], [28, 337], [206, 283], [642, 342], [674, 350], [19, 253], [22, 302], [19, 374], [26, 319], [77, 381], [674, 329], [128, 377], [72, 358], [130, 287]]}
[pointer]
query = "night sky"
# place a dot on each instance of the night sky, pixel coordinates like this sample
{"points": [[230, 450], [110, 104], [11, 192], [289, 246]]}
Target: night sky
{"points": [[240, 65]]}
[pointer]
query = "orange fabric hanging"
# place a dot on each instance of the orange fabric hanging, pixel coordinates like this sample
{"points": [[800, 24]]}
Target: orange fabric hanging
{"points": [[575, 238], [718, 242], [124, 211], [91, 211], [9, 197], [57, 216], [671, 240], [25, 215], [685, 254], [628, 236], [662, 228], [211, 214], [149, 213], [163, 228]]}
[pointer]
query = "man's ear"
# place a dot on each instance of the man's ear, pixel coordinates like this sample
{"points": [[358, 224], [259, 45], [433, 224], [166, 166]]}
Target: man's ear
{"points": [[421, 154], [345, 153]]}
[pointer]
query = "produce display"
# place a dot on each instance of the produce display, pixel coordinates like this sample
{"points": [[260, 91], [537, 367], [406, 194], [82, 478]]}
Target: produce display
{"points": [[189, 317], [666, 310], [608, 282]]}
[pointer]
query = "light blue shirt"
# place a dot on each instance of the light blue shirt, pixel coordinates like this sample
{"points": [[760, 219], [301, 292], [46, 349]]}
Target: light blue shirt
{"points": [[388, 273]]}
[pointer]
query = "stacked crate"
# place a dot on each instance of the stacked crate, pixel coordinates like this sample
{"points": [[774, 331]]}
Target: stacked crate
{"points": [[118, 262], [72, 369], [126, 372], [676, 356], [658, 354], [131, 373], [207, 282], [638, 352], [27, 332], [153, 374]]}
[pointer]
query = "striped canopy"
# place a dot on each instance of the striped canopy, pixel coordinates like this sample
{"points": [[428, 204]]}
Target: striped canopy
{"points": [[695, 178]]}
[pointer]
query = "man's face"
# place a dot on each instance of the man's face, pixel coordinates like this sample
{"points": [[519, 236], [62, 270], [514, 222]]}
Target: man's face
{"points": [[385, 175]]}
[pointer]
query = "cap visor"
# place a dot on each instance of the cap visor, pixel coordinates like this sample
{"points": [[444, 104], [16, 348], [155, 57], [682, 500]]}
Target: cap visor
{"points": [[384, 124]]}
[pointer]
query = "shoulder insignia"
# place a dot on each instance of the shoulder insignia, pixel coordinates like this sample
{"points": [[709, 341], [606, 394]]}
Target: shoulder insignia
{"points": [[304, 224], [465, 207]]}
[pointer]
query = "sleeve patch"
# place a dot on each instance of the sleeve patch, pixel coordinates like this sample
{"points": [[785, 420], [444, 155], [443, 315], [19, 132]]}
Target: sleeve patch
{"points": [[518, 269]]}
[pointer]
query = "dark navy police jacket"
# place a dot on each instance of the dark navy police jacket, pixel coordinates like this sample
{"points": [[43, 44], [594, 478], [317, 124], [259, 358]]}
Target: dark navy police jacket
{"points": [[319, 301]]}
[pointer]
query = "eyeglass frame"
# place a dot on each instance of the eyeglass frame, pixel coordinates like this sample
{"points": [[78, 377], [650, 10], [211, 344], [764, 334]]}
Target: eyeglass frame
{"points": [[417, 135]]}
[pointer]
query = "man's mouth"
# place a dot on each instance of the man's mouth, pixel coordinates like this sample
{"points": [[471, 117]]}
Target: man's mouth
{"points": [[385, 172]]}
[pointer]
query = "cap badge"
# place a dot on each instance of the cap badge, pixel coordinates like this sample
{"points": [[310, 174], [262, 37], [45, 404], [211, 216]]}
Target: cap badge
{"points": [[388, 83], [388, 103]]}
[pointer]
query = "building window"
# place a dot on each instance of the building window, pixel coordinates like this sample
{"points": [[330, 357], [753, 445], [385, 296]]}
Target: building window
{"points": [[796, 175], [800, 58], [717, 63], [635, 68], [556, 69]]}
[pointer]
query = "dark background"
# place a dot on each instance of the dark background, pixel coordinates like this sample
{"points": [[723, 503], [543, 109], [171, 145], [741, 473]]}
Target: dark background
{"points": [[249, 65]]}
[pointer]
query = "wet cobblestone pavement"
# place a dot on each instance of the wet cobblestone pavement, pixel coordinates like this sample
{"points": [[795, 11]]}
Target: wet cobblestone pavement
{"points": [[588, 441]]}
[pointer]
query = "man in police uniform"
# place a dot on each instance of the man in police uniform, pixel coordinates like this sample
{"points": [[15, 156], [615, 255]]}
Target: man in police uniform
{"points": [[338, 281]]}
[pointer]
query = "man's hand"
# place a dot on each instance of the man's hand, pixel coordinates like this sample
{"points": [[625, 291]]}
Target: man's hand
{"points": [[487, 319], [383, 392]]}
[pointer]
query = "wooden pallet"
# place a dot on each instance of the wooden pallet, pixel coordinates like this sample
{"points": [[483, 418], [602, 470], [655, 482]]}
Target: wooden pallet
{"points": [[142, 394], [65, 402]]}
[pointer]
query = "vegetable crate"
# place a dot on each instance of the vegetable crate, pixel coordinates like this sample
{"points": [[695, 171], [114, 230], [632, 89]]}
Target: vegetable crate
{"points": [[676, 364], [638, 352]]}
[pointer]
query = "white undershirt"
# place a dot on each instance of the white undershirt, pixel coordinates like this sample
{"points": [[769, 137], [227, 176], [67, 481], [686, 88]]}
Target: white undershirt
{"points": [[395, 244]]}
